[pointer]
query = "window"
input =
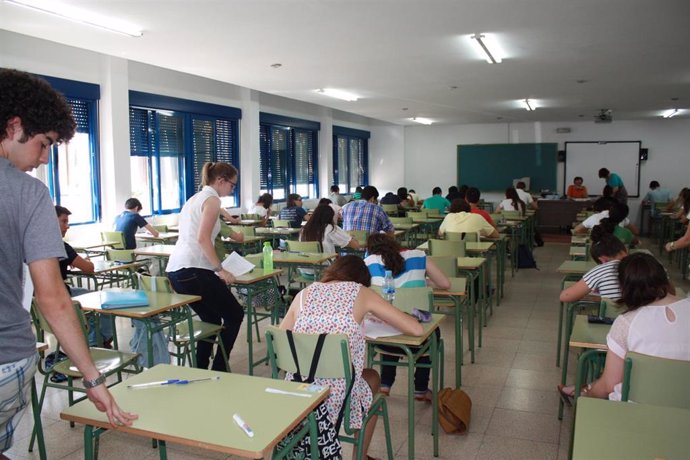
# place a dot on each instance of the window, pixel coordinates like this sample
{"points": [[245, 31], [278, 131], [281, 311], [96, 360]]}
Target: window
{"points": [[350, 158], [288, 156], [171, 139], [72, 171]]}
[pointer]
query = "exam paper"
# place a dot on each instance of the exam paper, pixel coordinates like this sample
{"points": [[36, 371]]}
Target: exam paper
{"points": [[375, 328], [236, 264]]}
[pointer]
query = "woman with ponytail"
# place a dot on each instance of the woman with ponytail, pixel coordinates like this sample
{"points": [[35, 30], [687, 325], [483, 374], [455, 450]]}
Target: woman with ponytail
{"points": [[512, 202]]}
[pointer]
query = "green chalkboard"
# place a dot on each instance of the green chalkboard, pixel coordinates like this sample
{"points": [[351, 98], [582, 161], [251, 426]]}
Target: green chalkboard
{"points": [[492, 167]]}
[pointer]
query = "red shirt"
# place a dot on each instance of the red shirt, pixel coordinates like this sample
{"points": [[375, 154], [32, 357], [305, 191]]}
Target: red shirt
{"points": [[484, 214]]}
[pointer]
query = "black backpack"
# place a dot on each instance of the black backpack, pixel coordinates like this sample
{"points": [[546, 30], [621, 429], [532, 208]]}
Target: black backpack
{"points": [[525, 259]]}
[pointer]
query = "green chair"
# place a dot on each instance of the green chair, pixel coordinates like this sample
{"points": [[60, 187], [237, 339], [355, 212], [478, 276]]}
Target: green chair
{"points": [[514, 215], [120, 255], [470, 237], [108, 362], [390, 209], [180, 336], [246, 230], [446, 248], [400, 220], [281, 223], [418, 215], [334, 363], [161, 228], [497, 218], [303, 276], [433, 212], [117, 238], [250, 217], [658, 381], [611, 308], [360, 236]]}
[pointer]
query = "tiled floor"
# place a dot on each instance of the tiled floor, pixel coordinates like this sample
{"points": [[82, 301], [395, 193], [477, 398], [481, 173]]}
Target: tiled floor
{"points": [[512, 386]]}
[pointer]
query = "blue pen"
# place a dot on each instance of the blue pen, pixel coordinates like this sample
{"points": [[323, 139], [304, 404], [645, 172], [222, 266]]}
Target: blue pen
{"points": [[170, 382]]}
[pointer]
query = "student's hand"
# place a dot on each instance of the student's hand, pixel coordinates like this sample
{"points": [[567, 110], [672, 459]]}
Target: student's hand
{"points": [[226, 276], [669, 247], [100, 396]]}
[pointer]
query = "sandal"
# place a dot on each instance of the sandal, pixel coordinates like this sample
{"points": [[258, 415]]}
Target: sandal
{"points": [[565, 397], [424, 395]]}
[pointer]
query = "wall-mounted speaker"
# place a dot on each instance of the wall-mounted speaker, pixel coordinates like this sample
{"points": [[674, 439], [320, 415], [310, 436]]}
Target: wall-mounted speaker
{"points": [[561, 156], [644, 154]]}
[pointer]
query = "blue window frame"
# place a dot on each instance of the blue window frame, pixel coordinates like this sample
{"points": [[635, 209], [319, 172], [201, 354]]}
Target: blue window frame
{"points": [[72, 174], [350, 158], [170, 140], [288, 156]]}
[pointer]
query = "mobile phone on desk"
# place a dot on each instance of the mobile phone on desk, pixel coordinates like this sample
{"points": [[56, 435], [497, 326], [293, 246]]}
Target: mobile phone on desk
{"points": [[422, 316], [595, 319]]}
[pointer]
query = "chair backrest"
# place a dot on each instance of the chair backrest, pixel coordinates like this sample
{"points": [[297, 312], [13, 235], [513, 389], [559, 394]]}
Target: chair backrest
{"points": [[658, 381], [281, 223], [418, 215], [45, 326], [256, 259], [246, 230], [120, 255], [511, 214], [406, 299], [497, 218], [390, 208], [446, 248], [304, 246], [118, 238], [610, 308], [155, 283], [447, 264], [250, 217], [463, 236], [433, 212], [161, 228], [400, 220], [360, 236]]}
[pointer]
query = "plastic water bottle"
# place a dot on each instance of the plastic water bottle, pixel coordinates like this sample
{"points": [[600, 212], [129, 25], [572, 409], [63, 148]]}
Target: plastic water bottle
{"points": [[268, 256], [388, 287]]}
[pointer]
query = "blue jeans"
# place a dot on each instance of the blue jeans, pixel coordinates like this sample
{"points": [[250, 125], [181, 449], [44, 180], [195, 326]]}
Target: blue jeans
{"points": [[217, 306], [106, 321]]}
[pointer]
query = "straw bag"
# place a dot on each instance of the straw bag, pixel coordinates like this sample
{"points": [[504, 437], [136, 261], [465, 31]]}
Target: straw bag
{"points": [[454, 410]]}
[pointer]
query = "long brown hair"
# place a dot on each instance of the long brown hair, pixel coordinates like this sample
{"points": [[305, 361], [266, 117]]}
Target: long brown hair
{"points": [[315, 228], [212, 171], [643, 280], [348, 268], [515, 200], [389, 249]]}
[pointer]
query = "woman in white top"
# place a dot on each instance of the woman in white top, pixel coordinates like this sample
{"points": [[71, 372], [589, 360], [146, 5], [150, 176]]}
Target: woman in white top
{"points": [[320, 227], [655, 323], [512, 202], [194, 267], [262, 207]]}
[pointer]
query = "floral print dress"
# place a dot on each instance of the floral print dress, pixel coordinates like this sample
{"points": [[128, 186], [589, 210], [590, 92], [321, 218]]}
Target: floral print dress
{"points": [[328, 308]]}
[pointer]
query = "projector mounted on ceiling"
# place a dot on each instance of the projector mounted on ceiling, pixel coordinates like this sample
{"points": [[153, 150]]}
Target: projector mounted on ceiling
{"points": [[604, 116]]}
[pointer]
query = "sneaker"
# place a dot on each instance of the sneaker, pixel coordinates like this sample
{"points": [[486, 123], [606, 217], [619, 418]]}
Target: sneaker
{"points": [[425, 395], [385, 390]]}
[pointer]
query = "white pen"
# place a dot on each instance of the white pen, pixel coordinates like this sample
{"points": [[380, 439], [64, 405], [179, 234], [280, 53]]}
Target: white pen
{"points": [[171, 382], [283, 392], [242, 424]]}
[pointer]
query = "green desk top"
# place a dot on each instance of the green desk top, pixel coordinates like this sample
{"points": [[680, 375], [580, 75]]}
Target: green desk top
{"points": [[578, 251], [586, 335], [302, 258], [470, 263], [458, 287], [162, 237], [478, 247], [157, 250], [615, 430], [410, 340], [105, 266], [256, 275], [276, 231], [80, 246], [159, 302], [248, 239], [577, 267], [406, 227], [200, 414]]}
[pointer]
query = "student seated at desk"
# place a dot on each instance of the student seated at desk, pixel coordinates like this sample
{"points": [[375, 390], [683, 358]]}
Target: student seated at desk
{"points": [[655, 323], [576, 189], [525, 196], [461, 219], [86, 266], [410, 269], [681, 206], [604, 208], [321, 228], [512, 202], [683, 241], [472, 197], [607, 251], [436, 201], [293, 211], [130, 221], [262, 208], [337, 305]]}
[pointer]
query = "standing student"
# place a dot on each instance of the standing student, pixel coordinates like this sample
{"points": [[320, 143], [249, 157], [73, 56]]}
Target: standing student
{"points": [[576, 189], [614, 181], [33, 117], [436, 201], [194, 267], [130, 221]]}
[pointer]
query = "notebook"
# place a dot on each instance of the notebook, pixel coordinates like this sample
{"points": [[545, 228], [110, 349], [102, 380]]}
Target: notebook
{"points": [[111, 300]]}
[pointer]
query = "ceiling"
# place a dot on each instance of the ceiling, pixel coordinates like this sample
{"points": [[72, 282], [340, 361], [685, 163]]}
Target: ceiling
{"points": [[411, 58]]}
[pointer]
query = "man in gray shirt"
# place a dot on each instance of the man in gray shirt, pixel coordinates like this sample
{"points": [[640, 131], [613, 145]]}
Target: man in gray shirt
{"points": [[33, 117]]}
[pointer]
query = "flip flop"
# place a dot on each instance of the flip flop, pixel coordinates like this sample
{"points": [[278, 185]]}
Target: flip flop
{"points": [[565, 397]]}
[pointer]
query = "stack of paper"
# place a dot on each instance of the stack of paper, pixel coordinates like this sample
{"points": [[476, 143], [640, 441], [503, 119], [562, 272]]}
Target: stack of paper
{"points": [[236, 264]]}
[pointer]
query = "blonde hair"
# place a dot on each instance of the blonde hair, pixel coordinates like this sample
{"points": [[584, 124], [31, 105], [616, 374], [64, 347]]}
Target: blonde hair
{"points": [[212, 171]]}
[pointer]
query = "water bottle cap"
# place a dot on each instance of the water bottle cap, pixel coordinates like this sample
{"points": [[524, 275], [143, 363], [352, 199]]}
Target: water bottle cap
{"points": [[389, 272]]}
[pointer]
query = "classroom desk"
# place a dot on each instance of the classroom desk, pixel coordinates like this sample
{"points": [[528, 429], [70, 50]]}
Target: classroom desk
{"points": [[250, 222], [164, 310], [162, 238], [473, 268], [200, 415], [310, 260], [576, 267], [413, 347], [555, 215], [578, 252], [501, 252], [250, 243], [410, 232], [457, 294], [276, 233], [616, 430], [93, 247], [254, 283], [105, 272], [161, 252]]}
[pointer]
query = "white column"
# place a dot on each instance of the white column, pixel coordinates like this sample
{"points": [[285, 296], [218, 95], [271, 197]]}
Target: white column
{"points": [[325, 166], [249, 148]]}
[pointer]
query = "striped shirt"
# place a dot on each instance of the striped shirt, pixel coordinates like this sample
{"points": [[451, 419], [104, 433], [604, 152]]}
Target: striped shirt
{"points": [[413, 275], [603, 279]]}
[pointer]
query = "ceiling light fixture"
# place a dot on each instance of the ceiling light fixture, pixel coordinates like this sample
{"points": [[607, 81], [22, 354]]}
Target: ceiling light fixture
{"points": [[483, 42], [670, 113], [424, 121], [529, 105], [79, 15], [338, 94]]}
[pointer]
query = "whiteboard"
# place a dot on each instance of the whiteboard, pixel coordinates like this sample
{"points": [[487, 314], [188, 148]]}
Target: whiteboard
{"points": [[584, 159]]}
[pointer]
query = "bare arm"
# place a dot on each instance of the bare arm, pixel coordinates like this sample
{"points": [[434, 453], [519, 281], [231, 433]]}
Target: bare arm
{"points": [[56, 306], [682, 242], [613, 374], [226, 215], [210, 211], [149, 228], [82, 264], [291, 315], [437, 279], [575, 292], [369, 301], [581, 229], [354, 244]]}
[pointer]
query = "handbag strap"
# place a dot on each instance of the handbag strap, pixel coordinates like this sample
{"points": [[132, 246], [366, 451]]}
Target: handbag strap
{"points": [[314, 359]]}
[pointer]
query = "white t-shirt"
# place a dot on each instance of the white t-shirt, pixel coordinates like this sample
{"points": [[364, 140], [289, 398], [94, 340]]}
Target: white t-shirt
{"points": [[507, 204], [334, 236], [593, 220], [524, 196], [258, 209], [649, 331]]}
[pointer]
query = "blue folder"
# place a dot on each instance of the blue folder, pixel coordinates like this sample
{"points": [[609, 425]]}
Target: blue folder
{"points": [[111, 300]]}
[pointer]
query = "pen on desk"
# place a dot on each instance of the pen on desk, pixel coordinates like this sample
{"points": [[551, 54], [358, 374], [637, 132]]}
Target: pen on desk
{"points": [[289, 393], [170, 382], [242, 424]]}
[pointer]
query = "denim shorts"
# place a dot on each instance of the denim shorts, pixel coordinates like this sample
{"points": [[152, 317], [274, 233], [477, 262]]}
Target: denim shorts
{"points": [[15, 387]]}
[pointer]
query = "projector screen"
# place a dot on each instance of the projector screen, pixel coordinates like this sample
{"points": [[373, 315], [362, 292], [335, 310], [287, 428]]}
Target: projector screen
{"points": [[584, 159]]}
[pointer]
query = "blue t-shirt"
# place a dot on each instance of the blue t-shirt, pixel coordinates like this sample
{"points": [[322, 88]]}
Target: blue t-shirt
{"points": [[614, 180], [294, 214], [128, 223]]}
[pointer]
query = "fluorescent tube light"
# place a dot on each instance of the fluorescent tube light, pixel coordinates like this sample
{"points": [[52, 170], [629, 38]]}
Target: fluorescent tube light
{"points": [[424, 121], [486, 46], [670, 113], [529, 105], [79, 15], [338, 94]]}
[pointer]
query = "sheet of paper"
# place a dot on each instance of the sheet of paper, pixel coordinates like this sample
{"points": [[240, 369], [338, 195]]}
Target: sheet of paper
{"points": [[375, 328], [236, 264]]}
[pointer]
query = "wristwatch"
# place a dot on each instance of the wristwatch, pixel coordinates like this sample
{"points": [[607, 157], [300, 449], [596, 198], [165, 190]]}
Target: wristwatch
{"points": [[94, 382], [218, 269]]}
